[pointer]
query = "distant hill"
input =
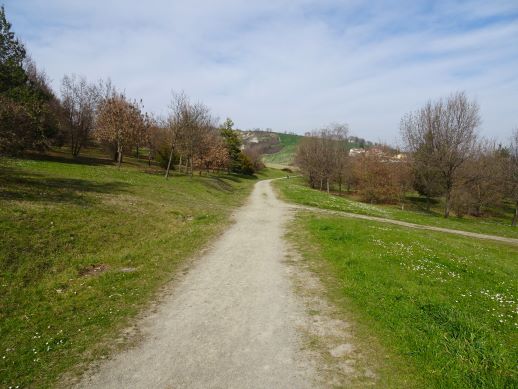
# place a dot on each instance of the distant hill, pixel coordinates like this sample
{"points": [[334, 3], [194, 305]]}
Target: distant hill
{"points": [[286, 154], [276, 148], [280, 148]]}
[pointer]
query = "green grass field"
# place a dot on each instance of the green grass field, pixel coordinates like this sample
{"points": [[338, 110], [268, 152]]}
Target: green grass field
{"points": [[442, 308], [296, 190], [84, 246], [286, 155]]}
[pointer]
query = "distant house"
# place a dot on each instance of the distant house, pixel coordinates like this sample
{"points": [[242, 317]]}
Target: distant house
{"points": [[356, 152], [376, 151]]}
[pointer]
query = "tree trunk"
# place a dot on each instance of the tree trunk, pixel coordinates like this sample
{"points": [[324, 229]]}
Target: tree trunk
{"points": [[138, 155], [75, 150], [479, 201], [73, 146], [515, 218], [327, 184], [119, 156], [169, 162], [447, 204]]}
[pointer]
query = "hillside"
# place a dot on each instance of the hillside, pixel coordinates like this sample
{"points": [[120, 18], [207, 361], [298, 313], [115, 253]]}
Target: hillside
{"points": [[283, 152], [286, 155], [264, 142], [276, 148]]}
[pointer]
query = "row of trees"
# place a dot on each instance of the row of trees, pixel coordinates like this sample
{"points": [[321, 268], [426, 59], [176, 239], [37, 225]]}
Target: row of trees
{"points": [[445, 158], [190, 136], [323, 157], [32, 117], [449, 159]]}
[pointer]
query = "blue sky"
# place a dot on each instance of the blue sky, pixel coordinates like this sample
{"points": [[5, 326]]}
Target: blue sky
{"points": [[288, 65]]}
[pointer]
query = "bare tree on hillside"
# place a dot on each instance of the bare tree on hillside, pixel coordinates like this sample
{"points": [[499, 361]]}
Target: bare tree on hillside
{"points": [[212, 153], [441, 137], [380, 178], [118, 122], [190, 127], [481, 180], [340, 154], [512, 174], [179, 104], [323, 156], [198, 135], [80, 101], [309, 158], [141, 135]]}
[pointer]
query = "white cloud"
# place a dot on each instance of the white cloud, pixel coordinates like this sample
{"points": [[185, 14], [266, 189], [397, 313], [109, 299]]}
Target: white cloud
{"points": [[289, 65]]}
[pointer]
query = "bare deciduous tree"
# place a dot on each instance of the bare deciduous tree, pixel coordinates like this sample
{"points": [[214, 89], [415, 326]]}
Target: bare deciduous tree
{"points": [[480, 181], [178, 107], [441, 137], [512, 174], [118, 122], [323, 156], [190, 131], [381, 179], [80, 101], [141, 135], [339, 154]]}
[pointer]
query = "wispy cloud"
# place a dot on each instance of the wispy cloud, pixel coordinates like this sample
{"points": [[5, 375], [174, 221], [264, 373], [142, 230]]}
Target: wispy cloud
{"points": [[288, 65]]}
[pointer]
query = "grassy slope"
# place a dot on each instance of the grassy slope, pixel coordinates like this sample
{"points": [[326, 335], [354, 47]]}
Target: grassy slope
{"points": [[57, 218], [297, 191], [443, 307], [286, 155]]}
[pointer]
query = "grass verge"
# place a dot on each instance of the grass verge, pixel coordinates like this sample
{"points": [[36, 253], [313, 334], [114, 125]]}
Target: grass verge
{"points": [[444, 308], [296, 190], [85, 246]]}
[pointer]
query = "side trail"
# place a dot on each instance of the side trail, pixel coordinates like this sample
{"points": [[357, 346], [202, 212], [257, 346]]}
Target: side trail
{"points": [[468, 234]]}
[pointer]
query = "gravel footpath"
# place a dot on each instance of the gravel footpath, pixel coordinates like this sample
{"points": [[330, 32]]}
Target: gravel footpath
{"points": [[233, 321]]}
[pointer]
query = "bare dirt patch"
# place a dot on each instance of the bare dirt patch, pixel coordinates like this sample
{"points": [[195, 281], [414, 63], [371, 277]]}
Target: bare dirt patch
{"points": [[93, 270]]}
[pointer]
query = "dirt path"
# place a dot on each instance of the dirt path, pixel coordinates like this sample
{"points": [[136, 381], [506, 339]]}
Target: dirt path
{"points": [[407, 224], [232, 322]]}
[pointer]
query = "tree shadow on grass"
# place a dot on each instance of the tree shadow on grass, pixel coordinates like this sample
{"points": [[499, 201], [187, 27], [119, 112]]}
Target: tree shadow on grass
{"points": [[58, 156], [218, 183], [421, 204], [21, 185], [222, 183], [236, 177]]}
